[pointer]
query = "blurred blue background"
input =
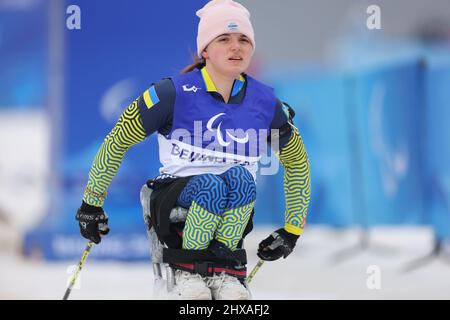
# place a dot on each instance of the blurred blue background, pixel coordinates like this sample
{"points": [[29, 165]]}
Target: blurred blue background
{"points": [[371, 105]]}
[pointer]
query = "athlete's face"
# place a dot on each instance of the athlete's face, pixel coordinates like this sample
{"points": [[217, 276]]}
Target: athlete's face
{"points": [[229, 54]]}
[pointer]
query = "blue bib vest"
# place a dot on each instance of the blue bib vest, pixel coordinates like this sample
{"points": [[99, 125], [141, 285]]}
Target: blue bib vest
{"points": [[211, 136]]}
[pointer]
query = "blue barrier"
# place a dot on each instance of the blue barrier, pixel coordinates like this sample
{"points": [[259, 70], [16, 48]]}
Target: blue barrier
{"points": [[388, 116], [23, 56], [363, 134], [437, 135]]}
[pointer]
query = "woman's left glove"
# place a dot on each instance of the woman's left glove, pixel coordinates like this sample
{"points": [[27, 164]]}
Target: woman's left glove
{"points": [[279, 243], [93, 222]]}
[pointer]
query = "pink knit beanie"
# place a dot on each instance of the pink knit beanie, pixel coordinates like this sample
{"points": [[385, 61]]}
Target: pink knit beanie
{"points": [[222, 16]]}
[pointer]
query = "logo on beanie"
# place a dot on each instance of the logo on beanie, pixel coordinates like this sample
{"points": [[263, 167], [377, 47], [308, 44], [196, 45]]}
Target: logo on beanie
{"points": [[232, 26]]}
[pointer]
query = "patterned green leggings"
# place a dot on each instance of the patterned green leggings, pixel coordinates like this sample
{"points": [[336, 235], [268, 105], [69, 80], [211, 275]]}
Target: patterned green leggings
{"points": [[219, 207]]}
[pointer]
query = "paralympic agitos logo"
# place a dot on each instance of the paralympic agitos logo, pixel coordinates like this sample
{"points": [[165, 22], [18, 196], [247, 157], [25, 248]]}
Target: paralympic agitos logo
{"points": [[220, 139]]}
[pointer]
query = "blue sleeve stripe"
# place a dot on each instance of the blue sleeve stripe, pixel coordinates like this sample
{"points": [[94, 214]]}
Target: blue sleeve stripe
{"points": [[153, 95]]}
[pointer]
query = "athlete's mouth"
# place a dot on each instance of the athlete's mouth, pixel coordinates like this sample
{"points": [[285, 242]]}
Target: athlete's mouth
{"points": [[235, 59]]}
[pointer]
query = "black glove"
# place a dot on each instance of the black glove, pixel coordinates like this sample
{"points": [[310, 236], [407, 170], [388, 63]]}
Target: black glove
{"points": [[93, 222], [279, 243]]}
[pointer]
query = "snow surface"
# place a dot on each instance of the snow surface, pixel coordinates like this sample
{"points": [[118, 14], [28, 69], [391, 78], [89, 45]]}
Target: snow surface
{"points": [[310, 272]]}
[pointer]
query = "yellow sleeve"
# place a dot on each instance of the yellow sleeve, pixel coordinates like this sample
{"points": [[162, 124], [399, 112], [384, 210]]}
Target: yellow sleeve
{"points": [[127, 132], [297, 183]]}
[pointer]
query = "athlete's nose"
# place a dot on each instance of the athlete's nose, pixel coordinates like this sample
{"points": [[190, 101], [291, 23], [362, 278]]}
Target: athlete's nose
{"points": [[235, 45]]}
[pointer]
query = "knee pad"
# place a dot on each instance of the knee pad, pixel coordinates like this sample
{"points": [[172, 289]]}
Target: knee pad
{"points": [[241, 186], [208, 191]]}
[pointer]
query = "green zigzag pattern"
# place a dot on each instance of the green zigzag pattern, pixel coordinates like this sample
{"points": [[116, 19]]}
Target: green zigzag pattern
{"points": [[199, 227], [297, 184], [127, 132], [232, 225]]}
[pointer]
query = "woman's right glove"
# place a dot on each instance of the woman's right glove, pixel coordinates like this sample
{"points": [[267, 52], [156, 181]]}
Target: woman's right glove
{"points": [[93, 222]]}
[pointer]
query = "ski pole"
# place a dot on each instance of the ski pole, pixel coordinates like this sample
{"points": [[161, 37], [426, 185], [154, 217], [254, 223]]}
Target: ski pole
{"points": [[255, 270], [77, 271]]}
